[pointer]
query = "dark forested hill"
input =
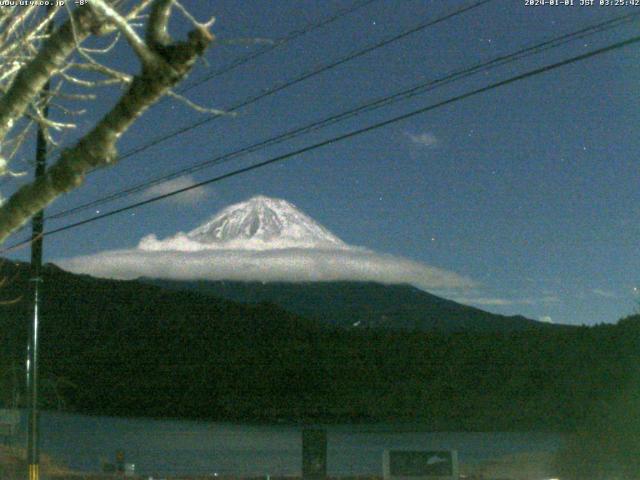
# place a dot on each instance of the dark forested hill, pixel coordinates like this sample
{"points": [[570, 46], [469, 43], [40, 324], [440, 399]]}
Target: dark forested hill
{"points": [[128, 348], [362, 304]]}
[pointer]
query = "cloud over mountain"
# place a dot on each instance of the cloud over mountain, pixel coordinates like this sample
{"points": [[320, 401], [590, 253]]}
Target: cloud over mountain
{"points": [[261, 239], [189, 197], [424, 139]]}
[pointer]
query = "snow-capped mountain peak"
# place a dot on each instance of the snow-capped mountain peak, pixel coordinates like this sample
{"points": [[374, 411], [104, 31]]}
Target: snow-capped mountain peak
{"points": [[259, 223]]}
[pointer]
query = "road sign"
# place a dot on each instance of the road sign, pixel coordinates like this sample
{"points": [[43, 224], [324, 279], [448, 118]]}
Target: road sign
{"points": [[420, 464]]}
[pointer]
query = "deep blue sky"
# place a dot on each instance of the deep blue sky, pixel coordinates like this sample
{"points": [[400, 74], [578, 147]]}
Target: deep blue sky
{"points": [[530, 189]]}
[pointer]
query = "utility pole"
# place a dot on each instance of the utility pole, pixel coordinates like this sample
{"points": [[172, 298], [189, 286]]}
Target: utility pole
{"points": [[37, 223], [33, 454]]}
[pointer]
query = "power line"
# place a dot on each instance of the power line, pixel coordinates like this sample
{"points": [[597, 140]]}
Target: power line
{"points": [[279, 43], [247, 58], [280, 158], [367, 107], [305, 76]]}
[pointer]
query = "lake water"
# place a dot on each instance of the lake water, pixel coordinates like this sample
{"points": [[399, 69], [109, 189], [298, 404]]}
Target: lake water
{"points": [[174, 447]]}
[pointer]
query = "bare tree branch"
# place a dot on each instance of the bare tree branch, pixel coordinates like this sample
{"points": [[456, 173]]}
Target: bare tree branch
{"points": [[51, 57], [165, 64], [137, 44], [196, 107], [157, 33]]}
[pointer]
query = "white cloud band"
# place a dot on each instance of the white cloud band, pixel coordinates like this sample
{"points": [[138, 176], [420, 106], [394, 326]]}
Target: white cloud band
{"points": [[294, 265]]}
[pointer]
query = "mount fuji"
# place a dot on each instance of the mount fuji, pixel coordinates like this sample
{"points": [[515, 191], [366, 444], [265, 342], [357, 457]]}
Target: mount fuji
{"points": [[260, 223], [266, 250], [262, 239]]}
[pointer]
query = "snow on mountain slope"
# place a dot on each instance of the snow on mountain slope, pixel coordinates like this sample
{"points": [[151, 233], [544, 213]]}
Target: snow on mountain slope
{"points": [[262, 239], [260, 223]]}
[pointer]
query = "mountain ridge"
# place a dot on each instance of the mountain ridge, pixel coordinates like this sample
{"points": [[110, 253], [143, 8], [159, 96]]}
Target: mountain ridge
{"points": [[121, 347], [351, 304]]}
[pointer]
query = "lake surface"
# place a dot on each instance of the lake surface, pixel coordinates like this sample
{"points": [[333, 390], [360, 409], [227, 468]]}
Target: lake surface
{"points": [[175, 447]]}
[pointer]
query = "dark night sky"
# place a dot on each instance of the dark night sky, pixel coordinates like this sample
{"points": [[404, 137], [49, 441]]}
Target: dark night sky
{"points": [[531, 189]]}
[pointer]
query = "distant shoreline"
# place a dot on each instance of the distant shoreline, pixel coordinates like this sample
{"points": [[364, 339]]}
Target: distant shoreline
{"points": [[520, 466], [358, 426]]}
